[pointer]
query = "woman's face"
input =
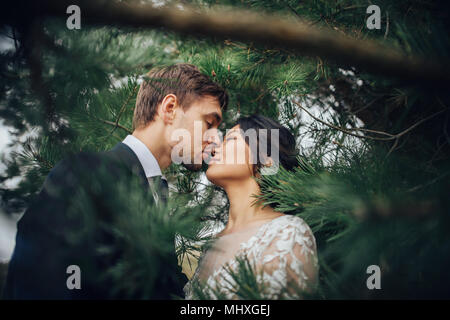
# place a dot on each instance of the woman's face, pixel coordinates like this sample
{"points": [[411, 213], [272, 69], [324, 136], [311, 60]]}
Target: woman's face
{"points": [[232, 160]]}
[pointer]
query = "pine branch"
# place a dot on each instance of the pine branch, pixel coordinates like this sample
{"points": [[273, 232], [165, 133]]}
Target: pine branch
{"points": [[115, 125], [263, 29], [352, 7], [38, 85], [36, 157], [390, 136], [122, 109]]}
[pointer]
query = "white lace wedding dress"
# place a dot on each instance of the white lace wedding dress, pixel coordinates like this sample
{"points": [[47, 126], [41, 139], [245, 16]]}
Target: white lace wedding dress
{"points": [[282, 251]]}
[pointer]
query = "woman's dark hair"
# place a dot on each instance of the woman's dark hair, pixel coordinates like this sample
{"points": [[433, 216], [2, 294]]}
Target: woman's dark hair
{"points": [[287, 153]]}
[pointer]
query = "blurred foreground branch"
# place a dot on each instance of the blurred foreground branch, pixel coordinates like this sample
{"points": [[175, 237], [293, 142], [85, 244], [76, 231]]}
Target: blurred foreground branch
{"points": [[263, 29]]}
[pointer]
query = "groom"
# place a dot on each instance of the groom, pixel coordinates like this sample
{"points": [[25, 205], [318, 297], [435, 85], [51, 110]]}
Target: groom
{"points": [[169, 99]]}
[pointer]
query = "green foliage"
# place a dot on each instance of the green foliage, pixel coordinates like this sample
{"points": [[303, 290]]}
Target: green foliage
{"points": [[367, 201], [361, 218], [127, 233], [242, 281]]}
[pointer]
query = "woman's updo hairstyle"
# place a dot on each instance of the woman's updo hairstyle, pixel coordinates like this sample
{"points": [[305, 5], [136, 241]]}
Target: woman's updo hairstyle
{"points": [[287, 153]]}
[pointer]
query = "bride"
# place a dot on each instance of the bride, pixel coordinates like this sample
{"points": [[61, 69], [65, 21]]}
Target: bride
{"points": [[280, 248]]}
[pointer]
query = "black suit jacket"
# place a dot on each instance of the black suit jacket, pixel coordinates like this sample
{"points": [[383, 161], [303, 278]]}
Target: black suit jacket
{"points": [[77, 196]]}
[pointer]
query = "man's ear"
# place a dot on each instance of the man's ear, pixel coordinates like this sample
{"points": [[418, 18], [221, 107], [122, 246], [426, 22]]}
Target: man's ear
{"points": [[168, 108]]}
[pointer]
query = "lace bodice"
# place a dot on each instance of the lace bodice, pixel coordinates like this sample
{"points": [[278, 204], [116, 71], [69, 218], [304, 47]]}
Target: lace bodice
{"points": [[282, 252]]}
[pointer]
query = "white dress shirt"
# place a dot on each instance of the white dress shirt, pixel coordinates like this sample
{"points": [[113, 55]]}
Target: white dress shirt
{"points": [[145, 156]]}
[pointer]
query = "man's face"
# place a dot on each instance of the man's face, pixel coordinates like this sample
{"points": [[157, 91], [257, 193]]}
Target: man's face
{"points": [[203, 116]]}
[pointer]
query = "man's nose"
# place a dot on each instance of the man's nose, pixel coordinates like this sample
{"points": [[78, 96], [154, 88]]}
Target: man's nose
{"points": [[214, 137]]}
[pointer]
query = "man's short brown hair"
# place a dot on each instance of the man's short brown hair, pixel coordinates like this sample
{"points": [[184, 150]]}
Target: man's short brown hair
{"points": [[183, 80]]}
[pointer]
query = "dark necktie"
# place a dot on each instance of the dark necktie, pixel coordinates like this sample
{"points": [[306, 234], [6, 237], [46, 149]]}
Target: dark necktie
{"points": [[159, 189]]}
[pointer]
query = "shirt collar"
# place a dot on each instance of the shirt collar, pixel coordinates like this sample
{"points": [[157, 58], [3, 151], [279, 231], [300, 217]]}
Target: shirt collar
{"points": [[145, 156]]}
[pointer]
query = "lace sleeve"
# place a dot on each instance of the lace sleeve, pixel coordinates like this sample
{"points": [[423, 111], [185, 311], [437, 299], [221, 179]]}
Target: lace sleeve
{"points": [[287, 261]]}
